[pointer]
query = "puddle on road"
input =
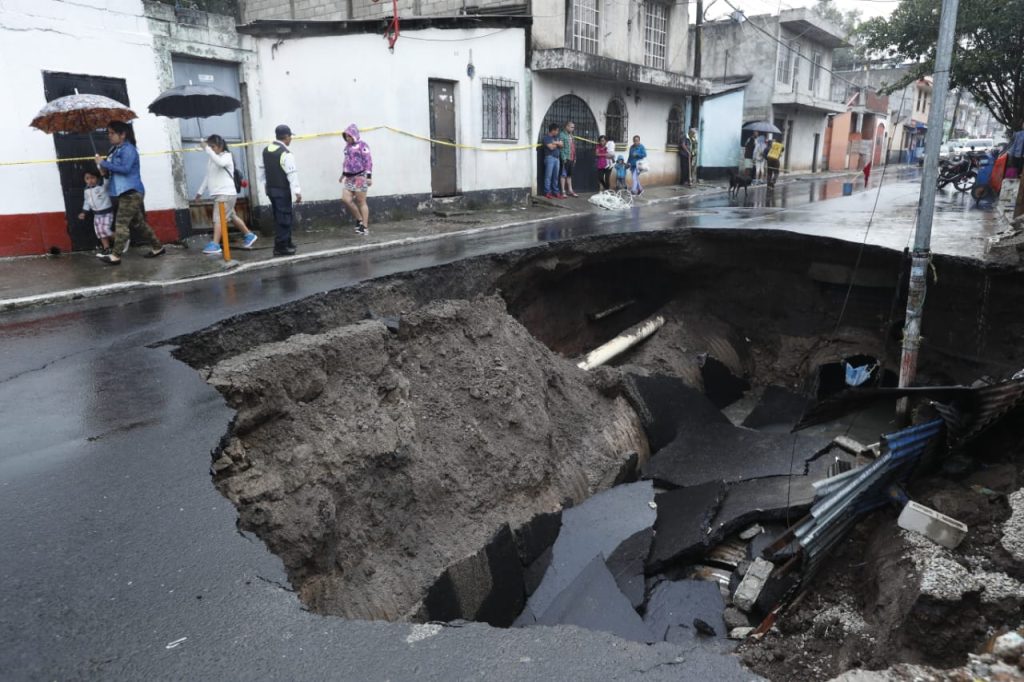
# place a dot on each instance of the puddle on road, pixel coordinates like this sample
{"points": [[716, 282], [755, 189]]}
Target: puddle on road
{"points": [[423, 447]]}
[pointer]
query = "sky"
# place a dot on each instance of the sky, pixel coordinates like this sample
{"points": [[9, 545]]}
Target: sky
{"points": [[868, 8]]}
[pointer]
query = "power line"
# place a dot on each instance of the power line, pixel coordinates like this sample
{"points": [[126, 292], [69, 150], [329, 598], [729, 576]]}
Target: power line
{"points": [[790, 48]]}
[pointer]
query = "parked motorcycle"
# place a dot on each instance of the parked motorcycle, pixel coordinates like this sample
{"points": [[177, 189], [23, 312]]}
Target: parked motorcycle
{"points": [[962, 172]]}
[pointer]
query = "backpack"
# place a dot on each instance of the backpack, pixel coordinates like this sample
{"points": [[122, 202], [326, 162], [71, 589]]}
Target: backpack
{"points": [[237, 177]]}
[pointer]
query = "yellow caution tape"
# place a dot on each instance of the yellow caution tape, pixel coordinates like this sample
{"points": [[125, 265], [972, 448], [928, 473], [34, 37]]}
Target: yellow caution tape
{"points": [[313, 136]]}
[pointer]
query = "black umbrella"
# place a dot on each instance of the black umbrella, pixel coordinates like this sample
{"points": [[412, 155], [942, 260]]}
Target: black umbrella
{"points": [[762, 127], [193, 101]]}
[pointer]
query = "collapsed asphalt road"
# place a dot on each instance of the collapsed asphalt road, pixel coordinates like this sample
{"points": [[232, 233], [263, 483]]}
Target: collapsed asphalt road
{"points": [[117, 546]]}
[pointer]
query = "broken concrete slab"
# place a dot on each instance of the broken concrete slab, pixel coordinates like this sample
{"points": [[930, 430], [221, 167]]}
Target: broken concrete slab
{"points": [[683, 523], [626, 565], [734, 618], [593, 601], [721, 386], [773, 498], [537, 535], [778, 406], [753, 582], [680, 603], [705, 446], [534, 573], [597, 526], [662, 402], [487, 586], [937, 527]]}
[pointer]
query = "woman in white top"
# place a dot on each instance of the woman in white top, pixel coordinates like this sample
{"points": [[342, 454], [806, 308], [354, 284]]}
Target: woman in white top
{"points": [[220, 180]]}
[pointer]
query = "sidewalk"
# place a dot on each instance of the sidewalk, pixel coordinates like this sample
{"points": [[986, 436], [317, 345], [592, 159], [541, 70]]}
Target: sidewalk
{"points": [[39, 280]]}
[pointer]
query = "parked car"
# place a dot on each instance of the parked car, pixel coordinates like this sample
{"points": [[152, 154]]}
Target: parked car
{"points": [[946, 151], [980, 145]]}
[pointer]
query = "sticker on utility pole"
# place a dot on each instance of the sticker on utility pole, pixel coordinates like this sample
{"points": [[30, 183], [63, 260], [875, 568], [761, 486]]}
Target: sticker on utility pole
{"points": [[205, 78]]}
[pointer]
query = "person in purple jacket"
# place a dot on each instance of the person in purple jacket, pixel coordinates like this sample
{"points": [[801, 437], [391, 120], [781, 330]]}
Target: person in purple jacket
{"points": [[356, 178]]}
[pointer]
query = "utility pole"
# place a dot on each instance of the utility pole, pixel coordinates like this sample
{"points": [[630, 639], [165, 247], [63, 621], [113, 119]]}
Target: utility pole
{"points": [[956, 108], [921, 258], [695, 113]]}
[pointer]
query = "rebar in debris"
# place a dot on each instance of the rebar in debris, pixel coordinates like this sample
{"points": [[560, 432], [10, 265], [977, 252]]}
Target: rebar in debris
{"points": [[600, 315]]}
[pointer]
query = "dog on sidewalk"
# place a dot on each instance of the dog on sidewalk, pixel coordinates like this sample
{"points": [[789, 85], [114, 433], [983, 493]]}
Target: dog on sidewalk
{"points": [[738, 180]]}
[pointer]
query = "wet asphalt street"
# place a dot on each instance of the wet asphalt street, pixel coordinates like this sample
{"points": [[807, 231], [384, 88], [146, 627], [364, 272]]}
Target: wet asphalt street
{"points": [[121, 561]]}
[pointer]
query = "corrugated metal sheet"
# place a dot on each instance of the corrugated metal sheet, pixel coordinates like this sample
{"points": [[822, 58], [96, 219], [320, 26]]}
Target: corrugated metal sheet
{"points": [[967, 419], [853, 496]]}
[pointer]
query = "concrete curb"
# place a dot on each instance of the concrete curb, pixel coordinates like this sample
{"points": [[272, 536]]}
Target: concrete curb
{"points": [[121, 287]]}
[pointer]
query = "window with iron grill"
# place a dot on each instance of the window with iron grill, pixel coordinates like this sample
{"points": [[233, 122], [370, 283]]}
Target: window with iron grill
{"points": [[501, 109], [585, 25], [675, 125], [616, 121], [785, 62], [655, 34], [815, 77], [796, 50]]}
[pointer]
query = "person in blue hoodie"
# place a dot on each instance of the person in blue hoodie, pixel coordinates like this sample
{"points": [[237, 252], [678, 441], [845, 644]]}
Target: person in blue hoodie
{"points": [[122, 164], [637, 153]]}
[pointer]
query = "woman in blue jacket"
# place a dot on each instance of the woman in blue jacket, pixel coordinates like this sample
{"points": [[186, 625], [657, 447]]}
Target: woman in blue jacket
{"points": [[637, 153], [122, 163]]}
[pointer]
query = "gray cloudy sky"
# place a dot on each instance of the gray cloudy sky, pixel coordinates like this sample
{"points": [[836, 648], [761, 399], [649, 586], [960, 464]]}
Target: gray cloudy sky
{"points": [[868, 8]]}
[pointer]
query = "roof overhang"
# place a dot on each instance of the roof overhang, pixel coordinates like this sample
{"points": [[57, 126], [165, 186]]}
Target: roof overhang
{"points": [[808, 24], [578, 64]]}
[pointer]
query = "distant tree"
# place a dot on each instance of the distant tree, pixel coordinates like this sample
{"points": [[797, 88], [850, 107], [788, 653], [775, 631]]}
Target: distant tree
{"points": [[986, 61], [849, 22]]}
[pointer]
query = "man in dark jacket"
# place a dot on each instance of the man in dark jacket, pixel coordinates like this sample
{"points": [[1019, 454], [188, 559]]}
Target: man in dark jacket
{"points": [[280, 179]]}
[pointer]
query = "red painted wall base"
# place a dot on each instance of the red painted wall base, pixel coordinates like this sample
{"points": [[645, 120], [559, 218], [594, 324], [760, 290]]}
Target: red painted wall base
{"points": [[32, 234]]}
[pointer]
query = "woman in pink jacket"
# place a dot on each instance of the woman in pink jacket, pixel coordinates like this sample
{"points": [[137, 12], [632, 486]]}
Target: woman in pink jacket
{"points": [[356, 178]]}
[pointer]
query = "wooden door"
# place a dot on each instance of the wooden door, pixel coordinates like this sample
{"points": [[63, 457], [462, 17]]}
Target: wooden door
{"points": [[443, 159]]}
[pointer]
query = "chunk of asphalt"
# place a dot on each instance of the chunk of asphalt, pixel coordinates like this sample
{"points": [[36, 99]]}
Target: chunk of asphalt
{"points": [[681, 529], [713, 449], [597, 526], [683, 603], [772, 498], [721, 386], [663, 402], [593, 601], [487, 586], [534, 573], [626, 565], [537, 535], [777, 406]]}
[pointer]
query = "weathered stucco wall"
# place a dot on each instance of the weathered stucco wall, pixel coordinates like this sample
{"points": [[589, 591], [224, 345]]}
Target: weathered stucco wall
{"points": [[302, 87], [214, 39], [108, 38], [648, 118]]}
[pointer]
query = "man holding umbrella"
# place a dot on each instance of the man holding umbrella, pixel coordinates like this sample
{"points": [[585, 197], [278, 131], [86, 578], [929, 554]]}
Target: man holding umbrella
{"points": [[281, 178]]}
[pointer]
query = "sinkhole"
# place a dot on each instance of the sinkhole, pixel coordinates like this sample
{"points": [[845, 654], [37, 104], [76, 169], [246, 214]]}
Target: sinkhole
{"points": [[423, 446]]}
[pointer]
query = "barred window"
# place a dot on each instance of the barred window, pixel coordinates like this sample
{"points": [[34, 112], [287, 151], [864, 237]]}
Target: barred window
{"points": [[655, 33], [785, 62], [585, 25], [616, 121], [675, 125], [501, 109], [796, 50], [815, 77]]}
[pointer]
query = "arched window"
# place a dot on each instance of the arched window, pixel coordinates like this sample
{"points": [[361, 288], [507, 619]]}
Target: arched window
{"points": [[616, 121], [675, 125]]}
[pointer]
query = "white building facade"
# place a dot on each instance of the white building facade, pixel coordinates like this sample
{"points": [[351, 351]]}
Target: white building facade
{"points": [[789, 60], [465, 81], [613, 68]]}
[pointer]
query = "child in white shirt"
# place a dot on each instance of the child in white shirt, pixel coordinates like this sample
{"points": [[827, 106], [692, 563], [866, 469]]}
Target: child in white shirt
{"points": [[97, 201]]}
